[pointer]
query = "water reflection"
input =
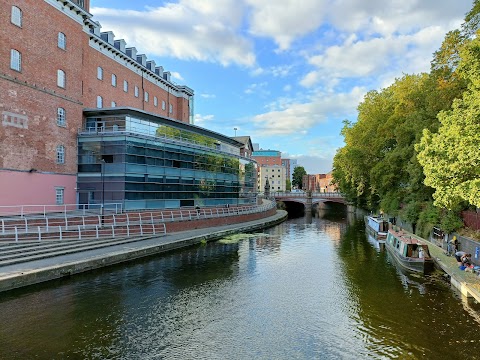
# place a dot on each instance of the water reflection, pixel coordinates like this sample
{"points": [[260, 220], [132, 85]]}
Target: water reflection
{"points": [[310, 288]]}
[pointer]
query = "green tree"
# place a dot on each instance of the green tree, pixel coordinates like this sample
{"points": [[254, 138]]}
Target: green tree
{"points": [[451, 157], [297, 176], [288, 185]]}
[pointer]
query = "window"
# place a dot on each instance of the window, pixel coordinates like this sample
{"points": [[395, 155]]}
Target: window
{"points": [[170, 108], [59, 196], [15, 60], [99, 102], [16, 16], [114, 104], [125, 85], [61, 121], [155, 101], [62, 41], [99, 73], [61, 78], [60, 154], [136, 91], [146, 96], [163, 105], [114, 80]]}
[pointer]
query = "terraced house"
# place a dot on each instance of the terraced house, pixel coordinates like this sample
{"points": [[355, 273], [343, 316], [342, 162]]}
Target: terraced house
{"points": [[87, 119]]}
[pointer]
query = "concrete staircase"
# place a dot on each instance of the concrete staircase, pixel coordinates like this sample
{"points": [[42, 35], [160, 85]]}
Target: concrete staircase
{"points": [[25, 251]]}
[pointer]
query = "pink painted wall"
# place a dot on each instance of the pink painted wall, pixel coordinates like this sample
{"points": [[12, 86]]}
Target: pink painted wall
{"points": [[24, 188]]}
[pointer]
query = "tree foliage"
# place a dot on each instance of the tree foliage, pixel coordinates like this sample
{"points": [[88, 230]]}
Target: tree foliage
{"points": [[414, 150], [451, 156], [297, 176]]}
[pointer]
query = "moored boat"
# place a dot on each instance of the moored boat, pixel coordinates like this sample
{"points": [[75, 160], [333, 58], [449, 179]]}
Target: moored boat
{"points": [[409, 252], [378, 227]]}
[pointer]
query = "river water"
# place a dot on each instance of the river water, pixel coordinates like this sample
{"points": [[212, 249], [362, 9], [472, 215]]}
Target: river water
{"points": [[309, 288]]}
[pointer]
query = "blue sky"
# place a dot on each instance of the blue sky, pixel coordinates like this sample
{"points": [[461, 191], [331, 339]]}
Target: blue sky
{"points": [[285, 72]]}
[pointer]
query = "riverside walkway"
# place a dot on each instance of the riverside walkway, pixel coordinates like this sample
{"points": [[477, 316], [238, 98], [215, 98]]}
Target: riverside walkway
{"points": [[467, 283], [54, 265]]}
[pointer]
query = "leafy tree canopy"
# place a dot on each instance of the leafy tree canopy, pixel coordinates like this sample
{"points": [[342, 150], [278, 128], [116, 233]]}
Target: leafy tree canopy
{"points": [[297, 176]]}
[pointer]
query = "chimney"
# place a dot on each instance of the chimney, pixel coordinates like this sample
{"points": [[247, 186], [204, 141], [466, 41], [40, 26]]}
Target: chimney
{"points": [[108, 37], [159, 71], [151, 65], [142, 59], [120, 45], [132, 52]]}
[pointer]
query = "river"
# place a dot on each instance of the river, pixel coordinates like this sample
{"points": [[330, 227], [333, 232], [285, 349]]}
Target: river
{"points": [[309, 288]]}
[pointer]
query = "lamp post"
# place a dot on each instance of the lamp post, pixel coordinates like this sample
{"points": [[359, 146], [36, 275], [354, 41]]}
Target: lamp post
{"points": [[102, 165], [235, 129]]}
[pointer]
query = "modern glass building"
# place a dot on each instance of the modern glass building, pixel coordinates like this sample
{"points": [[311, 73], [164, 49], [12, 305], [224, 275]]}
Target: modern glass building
{"points": [[144, 161]]}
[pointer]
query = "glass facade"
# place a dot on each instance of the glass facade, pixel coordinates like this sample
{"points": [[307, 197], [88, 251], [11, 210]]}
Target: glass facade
{"points": [[155, 163]]}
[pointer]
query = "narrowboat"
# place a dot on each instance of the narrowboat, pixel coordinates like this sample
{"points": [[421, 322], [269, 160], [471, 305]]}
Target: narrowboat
{"points": [[378, 227], [410, 253]]}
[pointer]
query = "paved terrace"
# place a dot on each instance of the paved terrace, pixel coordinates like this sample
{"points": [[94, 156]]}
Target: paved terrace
{"points": [[23, 265]]}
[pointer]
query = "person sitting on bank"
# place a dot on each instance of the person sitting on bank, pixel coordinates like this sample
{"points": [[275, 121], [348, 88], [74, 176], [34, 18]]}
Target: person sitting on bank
{"points": [[459, 256], [463, 258], [467, 260]]}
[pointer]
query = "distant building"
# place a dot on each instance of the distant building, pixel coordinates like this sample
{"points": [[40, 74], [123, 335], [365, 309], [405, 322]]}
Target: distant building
{"points": [[286, 165], [276, 175], [318, 183], [267, 157], [247, 148], [293, 165]]}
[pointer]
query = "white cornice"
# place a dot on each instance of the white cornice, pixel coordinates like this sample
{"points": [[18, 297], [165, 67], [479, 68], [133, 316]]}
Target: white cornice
{"points": [[70, 9]]}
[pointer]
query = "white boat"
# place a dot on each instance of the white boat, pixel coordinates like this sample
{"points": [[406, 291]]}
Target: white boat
{"points": [[378, 227]]}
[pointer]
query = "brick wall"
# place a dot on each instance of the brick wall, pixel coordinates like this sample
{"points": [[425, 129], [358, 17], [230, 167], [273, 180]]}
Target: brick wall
{"points": [[29, 99], [204, 223]]}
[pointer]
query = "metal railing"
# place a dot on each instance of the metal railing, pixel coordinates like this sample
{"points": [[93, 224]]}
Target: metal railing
{"points": [[64, 210], [113, 225], [304, 194]]}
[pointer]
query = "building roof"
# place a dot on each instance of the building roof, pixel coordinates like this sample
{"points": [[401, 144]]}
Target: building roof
{"points": [[275, 153], [246, 140]]}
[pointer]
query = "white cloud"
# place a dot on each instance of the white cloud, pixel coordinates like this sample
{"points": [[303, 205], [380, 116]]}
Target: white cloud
{"points": [[300, 117], [285, 20], [258, 89], [376, 57], [396, 16], [176, 75], [208, 96], [202, 120], [189, 30]]}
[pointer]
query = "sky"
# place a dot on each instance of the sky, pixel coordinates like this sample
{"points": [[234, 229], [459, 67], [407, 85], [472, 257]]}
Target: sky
{"points": [[284, 72]]}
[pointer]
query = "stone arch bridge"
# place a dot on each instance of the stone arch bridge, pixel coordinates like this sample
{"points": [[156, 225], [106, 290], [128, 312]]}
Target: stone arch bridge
{"points": [[308, 199]]}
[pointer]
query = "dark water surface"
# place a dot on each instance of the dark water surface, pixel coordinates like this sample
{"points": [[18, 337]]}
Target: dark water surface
{"points": [[305, 289]]}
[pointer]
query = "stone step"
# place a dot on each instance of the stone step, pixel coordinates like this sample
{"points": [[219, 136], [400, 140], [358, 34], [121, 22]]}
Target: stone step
{"points": [[68, 250]]}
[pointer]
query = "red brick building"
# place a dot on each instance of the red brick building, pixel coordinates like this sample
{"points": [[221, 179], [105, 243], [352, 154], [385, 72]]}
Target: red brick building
{"points": [[318, 183], [56, 63]]}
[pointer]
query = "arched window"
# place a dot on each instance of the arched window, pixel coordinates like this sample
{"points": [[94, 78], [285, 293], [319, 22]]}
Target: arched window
{"points": [[99, 102], [15, 60], [16, 16], [99, 73], [61, 78], [60, 154], [61, 119], [114, 80], [62, 41]]}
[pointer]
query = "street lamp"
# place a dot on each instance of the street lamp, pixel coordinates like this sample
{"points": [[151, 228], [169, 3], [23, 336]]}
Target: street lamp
{"points": [[102, 173], [235, 131]]}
